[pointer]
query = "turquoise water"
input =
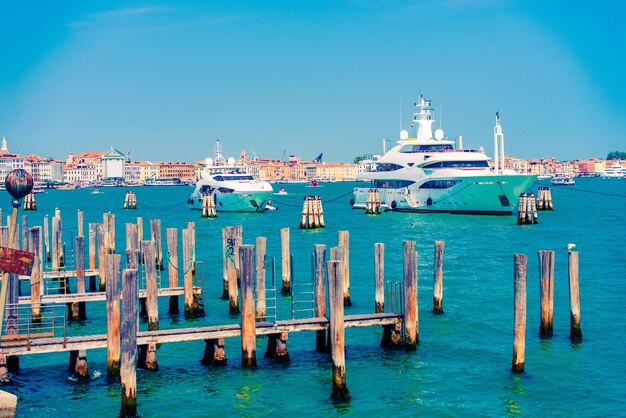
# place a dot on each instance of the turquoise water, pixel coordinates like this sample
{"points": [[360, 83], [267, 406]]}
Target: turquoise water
{"points": [[461, 366]]}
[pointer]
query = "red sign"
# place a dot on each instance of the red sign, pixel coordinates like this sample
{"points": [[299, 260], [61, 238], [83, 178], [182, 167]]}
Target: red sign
{"points": [[16, 261]]}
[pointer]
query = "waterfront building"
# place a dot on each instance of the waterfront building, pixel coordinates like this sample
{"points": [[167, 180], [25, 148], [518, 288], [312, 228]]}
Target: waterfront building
{"points": [[113, 163], [132, 172], [168, 170], [148, 171]]}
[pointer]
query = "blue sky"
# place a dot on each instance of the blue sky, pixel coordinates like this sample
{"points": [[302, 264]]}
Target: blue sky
{"points": [[165, 79]]}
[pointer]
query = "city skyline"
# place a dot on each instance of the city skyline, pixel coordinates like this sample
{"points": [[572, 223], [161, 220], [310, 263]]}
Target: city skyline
{"points": [[167, 79]]}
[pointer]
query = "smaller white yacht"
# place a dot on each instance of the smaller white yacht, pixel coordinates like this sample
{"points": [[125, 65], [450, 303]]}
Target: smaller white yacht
{"points": [[562, 179], [232, 191]]}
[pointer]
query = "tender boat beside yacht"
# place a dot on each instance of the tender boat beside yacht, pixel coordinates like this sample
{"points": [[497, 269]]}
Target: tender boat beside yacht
{"points": [[425, 173]]}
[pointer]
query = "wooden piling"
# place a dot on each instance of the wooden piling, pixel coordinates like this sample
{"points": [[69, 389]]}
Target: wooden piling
{"points": [[108, 221], [379, 275], [438, 278], [92, 254], [152, 306], [228, 251], [575, 333], [285, 261], [411, 319], [80, 223], [36, 274], [112, 277], [128, 372], [521, 209], [519, 334], [56, 239], [546, 282], [155, 234], [261, 268], [25, 233], [172, 266], [320, 295], [79, 308], [132, 236], [336, 329], [139, 228], [320, 210], [343, 237], [192, 309], [248, 323], [101, 253], [46, 239]]}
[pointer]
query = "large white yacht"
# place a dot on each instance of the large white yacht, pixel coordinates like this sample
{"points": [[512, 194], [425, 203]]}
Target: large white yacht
{"points": [[616, 170], [233, 192], [233, 189], [425, 173]]}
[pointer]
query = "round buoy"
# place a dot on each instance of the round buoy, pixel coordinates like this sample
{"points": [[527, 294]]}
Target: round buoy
{"points": [[18, 183]]}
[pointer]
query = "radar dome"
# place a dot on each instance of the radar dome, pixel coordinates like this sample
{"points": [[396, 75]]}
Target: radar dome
{"points": [[439, 134], [231, 161], [404, 134], [209, 161]]}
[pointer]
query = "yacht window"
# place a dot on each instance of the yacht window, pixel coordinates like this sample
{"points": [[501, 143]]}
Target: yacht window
{"points": [[237, 177], [457, 164], [439, 184], [225, 190], [391, 184], [388, 167], [218, 178], [426, 148]]}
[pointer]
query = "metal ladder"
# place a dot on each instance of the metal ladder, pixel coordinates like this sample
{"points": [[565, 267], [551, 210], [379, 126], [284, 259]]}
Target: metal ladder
{"points": [[303, 294], [270, 295]]}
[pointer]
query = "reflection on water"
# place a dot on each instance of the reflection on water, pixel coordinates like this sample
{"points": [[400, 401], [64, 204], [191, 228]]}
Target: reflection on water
{"points": [[512, 405]]}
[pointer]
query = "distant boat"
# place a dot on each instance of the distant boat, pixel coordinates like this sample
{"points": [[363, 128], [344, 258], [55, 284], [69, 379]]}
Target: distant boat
{"points": [[96, 191], [544, 176], [281, 191], [563, 179], [164, 182], [313, 183]]}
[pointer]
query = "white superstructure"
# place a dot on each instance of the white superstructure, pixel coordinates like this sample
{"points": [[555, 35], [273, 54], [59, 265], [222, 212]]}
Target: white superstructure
{"points": [[424, 173], [233, 192]]}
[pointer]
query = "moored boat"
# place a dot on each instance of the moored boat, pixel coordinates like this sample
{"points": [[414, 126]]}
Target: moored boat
{"points": [[425, 173], [233, 192], [563, 179]]}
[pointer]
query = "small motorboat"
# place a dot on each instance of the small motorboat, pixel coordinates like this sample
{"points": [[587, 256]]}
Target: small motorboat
{"points": [[96, 191], [313, 183], [281, 191]]}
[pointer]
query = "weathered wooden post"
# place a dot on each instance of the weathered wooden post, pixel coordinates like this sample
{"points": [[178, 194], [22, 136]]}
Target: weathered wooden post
{"points": [[36, 274], [101, 253], [411, 319], [261, 267], [78, 308], [438, 278], [231, 240], [132, 236], [248, 324], [155, 234], [192, 309], [92, 254], [46, 238], [336, 329], [56, 239], [147, 248], [379, 276], [172, 266], [320, 295], [128, 371], [25, 233], [112, 277], [109, 232], [575, 333], [78, 364], [286, 261], [546, 282], [343, 237], [519, 334], [80, 222], [148, 358]]}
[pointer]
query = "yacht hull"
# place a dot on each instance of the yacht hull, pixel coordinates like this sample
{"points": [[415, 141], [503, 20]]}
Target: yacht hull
{"points": [[238, 201], [486, 195]]}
